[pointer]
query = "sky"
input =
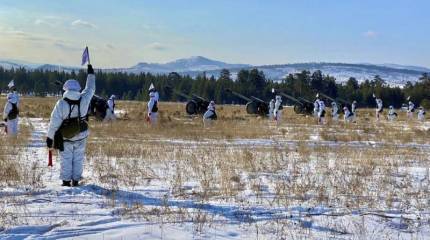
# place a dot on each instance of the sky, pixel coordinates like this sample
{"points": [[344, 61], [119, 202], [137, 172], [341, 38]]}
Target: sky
{"points": [[123, 33]]}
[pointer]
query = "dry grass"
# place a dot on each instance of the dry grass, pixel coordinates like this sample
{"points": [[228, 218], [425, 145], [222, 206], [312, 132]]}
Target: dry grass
{"points": [[12, 172], [246, 160]]}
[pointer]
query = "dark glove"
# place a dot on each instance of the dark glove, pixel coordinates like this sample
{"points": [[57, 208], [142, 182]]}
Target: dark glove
{"points": [[49, 142], [90, 69]]}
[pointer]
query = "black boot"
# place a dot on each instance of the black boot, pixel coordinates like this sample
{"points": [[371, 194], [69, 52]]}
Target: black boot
{"points": [[66, 184], [75, 183]]}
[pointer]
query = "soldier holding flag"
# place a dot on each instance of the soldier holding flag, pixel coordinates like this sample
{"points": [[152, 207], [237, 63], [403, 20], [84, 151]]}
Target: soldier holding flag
{"points": [[68, 126]]}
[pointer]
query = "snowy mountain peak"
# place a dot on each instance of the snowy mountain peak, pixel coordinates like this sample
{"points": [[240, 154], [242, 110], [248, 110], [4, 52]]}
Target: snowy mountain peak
{"points": [[191, 64]]}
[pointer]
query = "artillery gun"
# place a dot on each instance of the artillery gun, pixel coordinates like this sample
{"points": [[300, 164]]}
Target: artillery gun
{"points": [[195, 104], [98, 107], [301, 105], [254, 105]]}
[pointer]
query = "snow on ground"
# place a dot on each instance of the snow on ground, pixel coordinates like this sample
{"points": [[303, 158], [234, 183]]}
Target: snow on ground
{"points": [[89, 211]]}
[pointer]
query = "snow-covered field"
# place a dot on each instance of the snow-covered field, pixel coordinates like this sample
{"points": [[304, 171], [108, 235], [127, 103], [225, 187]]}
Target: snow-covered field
{"points": [[286, 189]]}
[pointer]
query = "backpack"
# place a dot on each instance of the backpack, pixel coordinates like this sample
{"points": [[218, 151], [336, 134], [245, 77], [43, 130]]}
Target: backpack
{"points": [[73, 126], [13, 114], [155, 107]]}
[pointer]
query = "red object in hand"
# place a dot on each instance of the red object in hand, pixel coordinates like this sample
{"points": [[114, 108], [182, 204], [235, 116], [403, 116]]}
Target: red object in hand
{"points": [[49, 158]]}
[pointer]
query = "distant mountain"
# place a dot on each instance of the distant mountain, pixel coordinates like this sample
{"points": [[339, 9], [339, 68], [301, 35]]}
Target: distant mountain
{"points": [[192, 64], [10, 64], [342, 71], [394, 74], [52, 68], [397, 66]]}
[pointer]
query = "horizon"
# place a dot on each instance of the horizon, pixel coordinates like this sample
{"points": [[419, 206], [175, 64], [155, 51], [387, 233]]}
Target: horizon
{"points": [[353, 32], [25, 62]]}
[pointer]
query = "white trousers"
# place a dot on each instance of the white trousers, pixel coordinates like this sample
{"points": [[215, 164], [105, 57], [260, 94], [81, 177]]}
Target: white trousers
{"points": [[153, 118], [335, 117], [12, 127], [72, 160], [278, 117], [110, 116]]}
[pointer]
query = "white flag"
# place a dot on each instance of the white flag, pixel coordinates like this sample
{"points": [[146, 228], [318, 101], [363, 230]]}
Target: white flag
{"points": [[85, 56], [11, 84]]}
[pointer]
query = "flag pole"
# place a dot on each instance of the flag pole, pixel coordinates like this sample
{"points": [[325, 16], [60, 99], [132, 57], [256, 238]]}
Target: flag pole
{"points": [[89, 62]]}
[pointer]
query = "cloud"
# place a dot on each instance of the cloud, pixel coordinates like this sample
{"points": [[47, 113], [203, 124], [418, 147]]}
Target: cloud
{"points": [[51, 21], [370, 34], [30, 37], [157, 46], [40, 22], [66, 46], [18, 34], [110, 46], [82, 23]]}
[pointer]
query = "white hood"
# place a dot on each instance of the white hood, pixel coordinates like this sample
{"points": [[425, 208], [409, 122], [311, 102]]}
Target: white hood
{"points": [[72, 95], [12, 98]]}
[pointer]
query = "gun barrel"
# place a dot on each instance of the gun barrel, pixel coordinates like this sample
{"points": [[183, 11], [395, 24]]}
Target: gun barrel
{"points": [[342, 100], [305, 100], [334, 100], [291, 98], [239, 95], [257, 99], [326, 96], [181, 94], [201, 98]]}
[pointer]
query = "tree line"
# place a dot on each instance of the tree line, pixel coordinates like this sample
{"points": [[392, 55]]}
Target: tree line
{"points": [[251, 82]]}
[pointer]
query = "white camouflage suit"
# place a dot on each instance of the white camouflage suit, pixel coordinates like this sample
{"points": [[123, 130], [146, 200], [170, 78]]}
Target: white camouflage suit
{"points": [[73, 156], [334, 111], [347, 115], [411, 109], [110, 111], [421, 114], [12, 125], [210, 114], [354, 109], [271, 109], [153, 99], [277, 113], [392, 115], [379, 107], [316, 107]]}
